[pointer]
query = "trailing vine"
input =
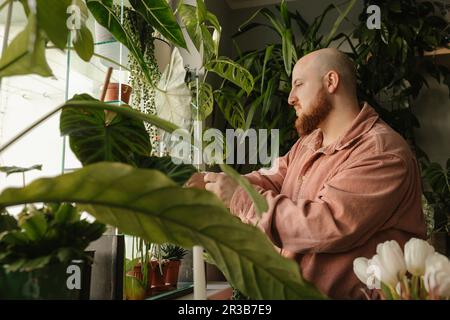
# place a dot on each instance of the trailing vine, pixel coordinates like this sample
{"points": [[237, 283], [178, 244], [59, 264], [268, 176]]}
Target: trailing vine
{"points": [[143, 97]]}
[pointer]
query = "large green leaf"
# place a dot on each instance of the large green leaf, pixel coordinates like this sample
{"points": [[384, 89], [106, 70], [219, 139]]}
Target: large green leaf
{"points": [[205, 99], [92, 139], [231, 107], [173, 99], [52, 17], [103, 13], [91, 103], [7, 222], [288, 50], [258, 200], [232, 71], [26, 53], [83, 42], [160, 16], [339, 21], [438, 178], [34, 226], [198, 21], [180, 173], [147, 204]]}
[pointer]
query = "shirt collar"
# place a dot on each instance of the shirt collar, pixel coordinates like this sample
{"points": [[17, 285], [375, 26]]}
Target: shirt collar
{"points": [[363, 122]]}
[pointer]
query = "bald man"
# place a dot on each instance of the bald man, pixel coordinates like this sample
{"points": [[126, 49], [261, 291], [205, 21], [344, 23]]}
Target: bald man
{"points": [[349, 183]]}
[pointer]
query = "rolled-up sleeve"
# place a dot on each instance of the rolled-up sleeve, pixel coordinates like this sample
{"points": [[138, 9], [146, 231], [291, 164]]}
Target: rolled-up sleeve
{"points": [[350, 207]]}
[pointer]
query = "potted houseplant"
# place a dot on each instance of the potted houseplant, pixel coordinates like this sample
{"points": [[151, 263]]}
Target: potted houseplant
{"points": [[40, 248], [174, 254]]}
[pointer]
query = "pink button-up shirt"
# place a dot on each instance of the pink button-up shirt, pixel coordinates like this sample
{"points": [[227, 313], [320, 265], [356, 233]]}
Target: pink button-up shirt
{"points": [[328, 206]]}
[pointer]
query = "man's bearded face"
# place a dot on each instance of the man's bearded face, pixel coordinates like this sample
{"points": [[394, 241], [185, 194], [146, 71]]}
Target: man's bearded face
{"points": [[310, 118]]}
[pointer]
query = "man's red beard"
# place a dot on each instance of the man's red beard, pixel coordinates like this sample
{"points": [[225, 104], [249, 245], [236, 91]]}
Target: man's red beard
{"points": [[320, 109]]}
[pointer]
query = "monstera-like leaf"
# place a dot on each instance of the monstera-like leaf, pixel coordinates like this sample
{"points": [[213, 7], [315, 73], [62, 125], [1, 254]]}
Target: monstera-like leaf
{"points": [[173, 99], [93, 139], [147, 204]]}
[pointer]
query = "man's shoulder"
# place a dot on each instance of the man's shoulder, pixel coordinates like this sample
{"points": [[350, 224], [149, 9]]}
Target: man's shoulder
{"points": [[382, 139]]}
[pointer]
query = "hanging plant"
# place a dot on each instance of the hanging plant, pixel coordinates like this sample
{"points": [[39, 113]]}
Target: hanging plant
{"points": [[143, 99]]}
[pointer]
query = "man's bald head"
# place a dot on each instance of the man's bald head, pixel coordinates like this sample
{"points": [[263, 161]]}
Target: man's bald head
{"points": [[325, 60]]}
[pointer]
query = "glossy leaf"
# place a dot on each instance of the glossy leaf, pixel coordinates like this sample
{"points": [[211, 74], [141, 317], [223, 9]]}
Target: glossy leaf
{"points": [[205, 100], [232, 71], [288, 49], [267, 56], [339, 20], [147, 204], [160, 16], [125, 110], [173, 99], [438, 179], [178, 173], [259, 201], [52, 16], [104, 14], [26, 53], [83, 41], [92, 139], [198, 21], [34, 226]]}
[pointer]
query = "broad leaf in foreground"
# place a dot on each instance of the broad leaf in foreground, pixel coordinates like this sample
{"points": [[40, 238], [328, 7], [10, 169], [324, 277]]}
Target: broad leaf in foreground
{"points": [[147, 204]]}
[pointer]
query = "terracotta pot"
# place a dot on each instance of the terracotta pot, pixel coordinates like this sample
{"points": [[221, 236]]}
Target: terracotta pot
{"points": [[112, 93], [173, 269], [158, 280], [136, 272], [133, 290]]}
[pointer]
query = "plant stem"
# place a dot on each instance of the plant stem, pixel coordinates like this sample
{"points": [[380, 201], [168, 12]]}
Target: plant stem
{"points": [[24, 132], [394, 293], [4, 4], [98, 56]]}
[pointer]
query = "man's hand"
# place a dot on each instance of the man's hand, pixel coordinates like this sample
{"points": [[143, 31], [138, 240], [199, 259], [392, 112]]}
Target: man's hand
{"points": [[221, 185], [196, 181]]}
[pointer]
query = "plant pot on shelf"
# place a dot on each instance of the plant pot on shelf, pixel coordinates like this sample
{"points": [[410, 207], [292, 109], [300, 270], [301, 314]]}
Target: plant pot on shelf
{"points": [[156, 278], [133, 284], [173, 270], [117, 93]]}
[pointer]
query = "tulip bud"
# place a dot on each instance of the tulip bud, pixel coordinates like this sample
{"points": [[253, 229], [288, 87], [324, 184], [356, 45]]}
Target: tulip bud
{"points": [[416, 253], [390, 260], [437, 275], [360, 268]]}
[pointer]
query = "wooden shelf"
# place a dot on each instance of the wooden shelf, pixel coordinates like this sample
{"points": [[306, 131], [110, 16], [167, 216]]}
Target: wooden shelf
{"points": [[437, 52]]}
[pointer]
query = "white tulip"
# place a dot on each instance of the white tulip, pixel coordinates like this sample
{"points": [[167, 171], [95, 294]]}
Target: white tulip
{"points": [[437, 275], [381, 273], [360, 268], [416, 253], [390, 260]]}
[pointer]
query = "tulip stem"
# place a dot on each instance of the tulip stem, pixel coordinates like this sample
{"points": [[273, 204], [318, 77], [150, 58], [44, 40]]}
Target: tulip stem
{"points": [[394, 293], [407, 292], [415, 286]]}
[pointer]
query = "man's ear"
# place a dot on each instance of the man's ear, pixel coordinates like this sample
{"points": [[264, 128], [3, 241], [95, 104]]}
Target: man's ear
{"points": [[331, 81]]}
